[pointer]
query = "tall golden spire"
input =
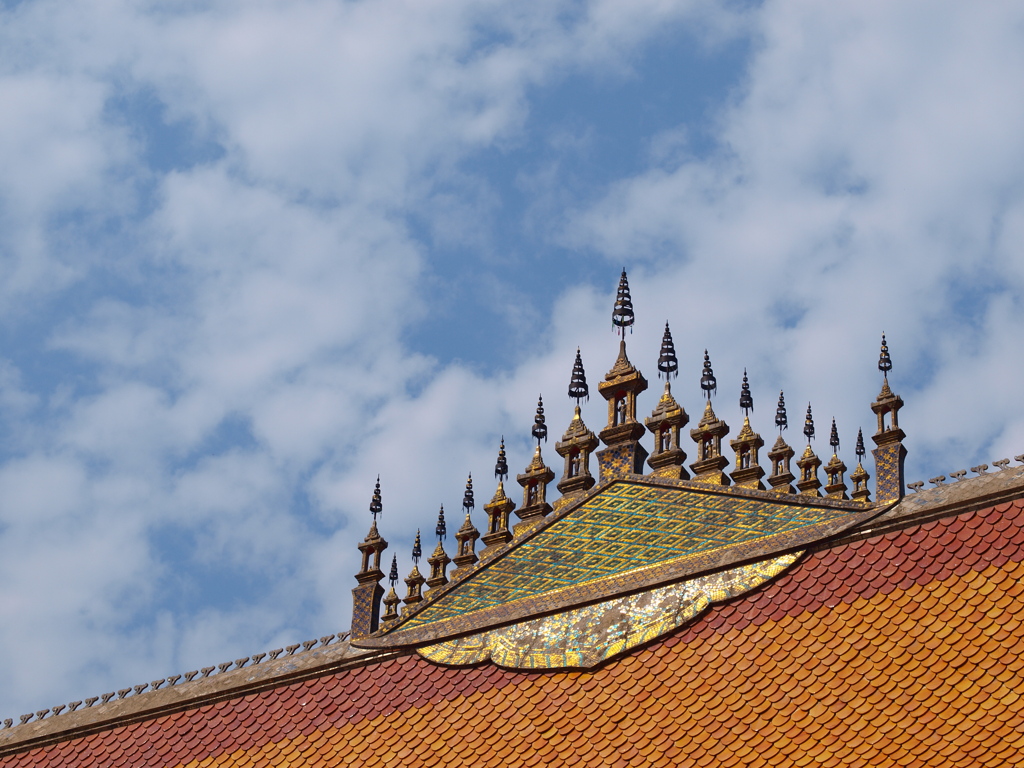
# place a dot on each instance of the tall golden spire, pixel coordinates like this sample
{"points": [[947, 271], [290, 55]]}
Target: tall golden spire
{"points": [[439, 560], [623, 455], [890, 453], [667, 418], [414, 581], [392, 600], [367, 595], [708, 435], [536, 478], [577, 443], [809, 462], [498, 510], [835, 487], [747, 472], [859, 477], [466, 536], [781, 454]]}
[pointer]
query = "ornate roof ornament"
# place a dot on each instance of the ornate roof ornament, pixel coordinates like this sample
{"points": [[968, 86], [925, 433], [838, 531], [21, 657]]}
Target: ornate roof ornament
{"points": [[393, 576], [833, 438], [780, 414], [540, 429], [860, 445], [467, 497], [809, 425], [376, 507], [746, 400], [884, 361], [440, 530], [501, 465], [707, 379], [417, 549], [668, 363], [578, 389], [622, 313]]}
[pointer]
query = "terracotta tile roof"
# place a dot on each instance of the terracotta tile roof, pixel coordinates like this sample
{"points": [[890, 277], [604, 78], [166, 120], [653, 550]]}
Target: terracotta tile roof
{"points": [[905, 649]]}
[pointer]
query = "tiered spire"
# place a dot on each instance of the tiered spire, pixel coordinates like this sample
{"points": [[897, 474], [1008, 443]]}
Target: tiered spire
{"points": [[392, 600], [747, 472], [466, 536], [781, 479], [623, 455], [498, 509], [835, 487], [708, 435], [667, 418], [859, 476], [415, 579], [890, 453], [809, 462], [536, 477], [439, 560], [577, 443], [367, 595]]}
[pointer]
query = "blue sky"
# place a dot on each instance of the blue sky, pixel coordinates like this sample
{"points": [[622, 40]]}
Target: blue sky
{"points": [[253, 254]]}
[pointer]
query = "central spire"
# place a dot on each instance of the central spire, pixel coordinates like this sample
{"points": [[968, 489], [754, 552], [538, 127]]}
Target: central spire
{"points": [[577, 443], [624, 455]]}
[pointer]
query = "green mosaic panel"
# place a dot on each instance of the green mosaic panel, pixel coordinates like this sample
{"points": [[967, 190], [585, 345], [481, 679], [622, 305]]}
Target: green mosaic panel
{"points": [[627, 527]]}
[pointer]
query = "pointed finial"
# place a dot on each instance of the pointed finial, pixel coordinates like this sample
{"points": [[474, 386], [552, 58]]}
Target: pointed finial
{"points": [[393, 576], [540, 429], [833, 438], [668, 363], [501, 466], [467, 497], [860, 445], [578, 388], [417, 549], [746, 400], [622, 314], [809, 425], [884, 361], [780, 414], [707, 379], [375, 506], [441, 530]]}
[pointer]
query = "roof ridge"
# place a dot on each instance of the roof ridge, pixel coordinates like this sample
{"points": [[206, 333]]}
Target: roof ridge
{"points": [[174, 680], [960, 474]]}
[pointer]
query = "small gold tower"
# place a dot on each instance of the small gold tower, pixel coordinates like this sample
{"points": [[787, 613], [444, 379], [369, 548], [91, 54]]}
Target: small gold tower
{"points": [[781, 454], [859, 477], [498, 510], [415, 581], [623, 455], [577, 443], [667, 418], [748, 472], [439, 560], [392, 600], [367, 596], [708, 435], [890, 453], [809, 462], [535, 479], [835, 488], [466, 536]]}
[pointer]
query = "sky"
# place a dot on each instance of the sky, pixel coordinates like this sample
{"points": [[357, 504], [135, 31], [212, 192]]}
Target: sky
{"points": [[254, 253]]}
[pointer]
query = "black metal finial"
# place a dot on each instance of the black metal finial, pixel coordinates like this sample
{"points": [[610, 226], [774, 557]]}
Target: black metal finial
{"points": [[393, 576], [417, 549], [376, 507], [467, 497], [746, 399], [809, 425], [622, 314], [884, 361], [860, 445], [780, 414], [707, 378], [833, 438], [578, 388], [668, 363], [501, 466], [540, 429], [441, 530]]}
